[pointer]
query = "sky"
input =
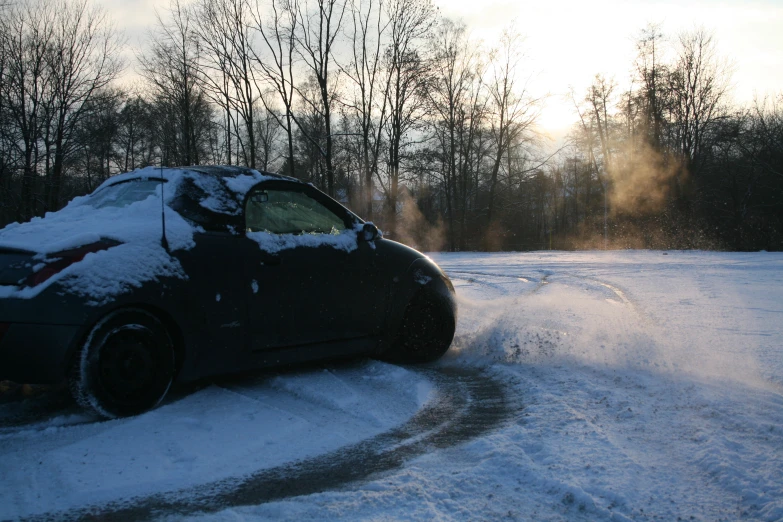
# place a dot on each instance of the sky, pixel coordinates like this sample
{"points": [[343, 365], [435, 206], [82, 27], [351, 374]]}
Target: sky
{"points": [[568, 42]]}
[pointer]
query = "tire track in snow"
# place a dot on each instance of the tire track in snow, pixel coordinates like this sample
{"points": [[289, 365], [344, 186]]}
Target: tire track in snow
{"points": [[468, 403], [545, 280], [500, 289], [617, 291]]}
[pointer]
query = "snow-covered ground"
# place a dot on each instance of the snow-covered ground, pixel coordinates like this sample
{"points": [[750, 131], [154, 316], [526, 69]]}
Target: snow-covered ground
{"points": [[626, 385]]}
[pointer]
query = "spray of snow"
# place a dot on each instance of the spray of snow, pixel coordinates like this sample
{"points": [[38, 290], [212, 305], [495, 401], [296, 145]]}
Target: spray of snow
{"points": [[533, 313]]}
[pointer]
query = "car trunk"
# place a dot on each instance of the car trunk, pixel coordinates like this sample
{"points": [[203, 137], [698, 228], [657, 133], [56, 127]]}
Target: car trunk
{"points": [[15, 265]]}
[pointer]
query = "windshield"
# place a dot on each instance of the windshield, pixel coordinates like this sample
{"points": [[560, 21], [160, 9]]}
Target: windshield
{"points": [[123, 194]]}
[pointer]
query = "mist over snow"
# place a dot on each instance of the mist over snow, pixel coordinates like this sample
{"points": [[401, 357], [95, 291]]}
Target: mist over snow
{"points": [[634, 385]]}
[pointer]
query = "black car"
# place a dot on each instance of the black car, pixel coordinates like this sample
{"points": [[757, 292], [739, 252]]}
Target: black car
{"points": [[183, 273]]}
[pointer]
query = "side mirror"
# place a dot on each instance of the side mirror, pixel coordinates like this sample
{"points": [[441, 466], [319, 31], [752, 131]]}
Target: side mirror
{"points": [[370, 232]]}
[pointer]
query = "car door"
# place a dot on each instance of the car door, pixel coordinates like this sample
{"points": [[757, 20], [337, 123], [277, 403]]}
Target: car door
{"points": [[311, 278], [214, 301]]}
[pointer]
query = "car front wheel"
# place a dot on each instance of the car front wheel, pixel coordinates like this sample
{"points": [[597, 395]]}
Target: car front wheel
{"points": [[125, 366], [427, 330]]}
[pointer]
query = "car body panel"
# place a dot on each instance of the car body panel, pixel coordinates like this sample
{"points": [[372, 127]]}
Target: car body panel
{"points": [[214, 308], [37, 353], [283, 312]]}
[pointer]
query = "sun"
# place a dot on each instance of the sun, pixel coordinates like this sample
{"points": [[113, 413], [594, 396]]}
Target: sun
{"points": [[556, 116]]}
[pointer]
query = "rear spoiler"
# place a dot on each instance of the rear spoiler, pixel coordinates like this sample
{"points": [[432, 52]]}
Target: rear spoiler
{"points": [[15, 250]]}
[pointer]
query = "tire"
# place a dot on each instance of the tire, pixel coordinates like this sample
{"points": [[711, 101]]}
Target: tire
{"points": [[126, 365], [426, 332]]}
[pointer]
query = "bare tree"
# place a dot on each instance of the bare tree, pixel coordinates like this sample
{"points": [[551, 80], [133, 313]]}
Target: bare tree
{"points": [[315, 39], [652, 75], [95, 152], [266, 132], [171, 66], [277, 67], [367, 103], [227, 63], [454, 95], [699, 82], [766, 134], [84, 59], [6, 149], [595, 118], [27, 86], [406, 79], [134, 137], [514, 110]]}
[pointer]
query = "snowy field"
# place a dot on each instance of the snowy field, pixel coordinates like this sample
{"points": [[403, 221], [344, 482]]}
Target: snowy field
{"points": [[580, 386]]}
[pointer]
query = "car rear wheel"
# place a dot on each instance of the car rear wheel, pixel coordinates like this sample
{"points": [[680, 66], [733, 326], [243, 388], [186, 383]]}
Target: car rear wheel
{"points": [[126, 365], [427, 330]]}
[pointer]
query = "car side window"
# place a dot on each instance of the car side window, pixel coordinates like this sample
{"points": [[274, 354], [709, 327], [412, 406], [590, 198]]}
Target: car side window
{"points": [[289, 212]]}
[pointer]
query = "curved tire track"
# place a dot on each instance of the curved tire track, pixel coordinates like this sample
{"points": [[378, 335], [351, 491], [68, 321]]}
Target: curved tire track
{"points": [[544, 280], [468, 403]]}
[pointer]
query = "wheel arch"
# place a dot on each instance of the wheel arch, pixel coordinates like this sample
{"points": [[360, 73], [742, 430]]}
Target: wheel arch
{"points": [[168, 321], [422, 275], [172, 327]]}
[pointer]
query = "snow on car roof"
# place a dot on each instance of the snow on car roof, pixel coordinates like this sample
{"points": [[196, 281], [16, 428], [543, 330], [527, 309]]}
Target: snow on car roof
{"points": [[217, 171], [238, 180], [204, 195], [136, 224]]}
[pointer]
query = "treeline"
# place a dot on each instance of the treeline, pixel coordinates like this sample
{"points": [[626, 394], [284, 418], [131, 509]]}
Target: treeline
{"points": [[671, 163], [395, 111]]}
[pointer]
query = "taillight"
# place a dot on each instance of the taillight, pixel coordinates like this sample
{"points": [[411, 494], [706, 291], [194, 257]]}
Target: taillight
{"points": [[64, 259], [51, 269]]}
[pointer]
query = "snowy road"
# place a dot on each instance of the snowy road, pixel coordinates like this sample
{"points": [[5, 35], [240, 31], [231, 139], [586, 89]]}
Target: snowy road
{"points": [[581, 386]]}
